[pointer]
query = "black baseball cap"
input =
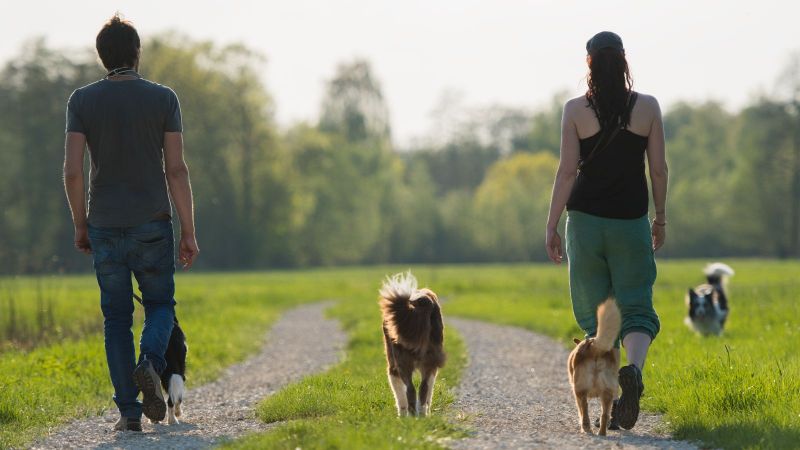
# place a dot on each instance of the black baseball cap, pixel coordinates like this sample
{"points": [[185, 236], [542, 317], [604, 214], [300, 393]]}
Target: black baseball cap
{"points": [[604, 39]]}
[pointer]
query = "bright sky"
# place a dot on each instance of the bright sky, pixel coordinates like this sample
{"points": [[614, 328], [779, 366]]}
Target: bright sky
{"points": [[512, 52]]}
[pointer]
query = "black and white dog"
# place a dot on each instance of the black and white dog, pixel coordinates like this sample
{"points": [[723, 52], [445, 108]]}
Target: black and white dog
{"points": [[174, 375], [708, 303]]}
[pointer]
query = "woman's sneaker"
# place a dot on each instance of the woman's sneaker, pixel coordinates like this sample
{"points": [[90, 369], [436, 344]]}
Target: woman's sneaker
{"points": [[630, 380], [128, 424], [148, 381]]}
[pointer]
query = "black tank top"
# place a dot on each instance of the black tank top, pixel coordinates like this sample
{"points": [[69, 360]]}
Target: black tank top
{"points": [[613, 183]]}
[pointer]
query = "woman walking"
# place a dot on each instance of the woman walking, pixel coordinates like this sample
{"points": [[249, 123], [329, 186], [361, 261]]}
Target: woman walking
{"points": [[601, 181]]}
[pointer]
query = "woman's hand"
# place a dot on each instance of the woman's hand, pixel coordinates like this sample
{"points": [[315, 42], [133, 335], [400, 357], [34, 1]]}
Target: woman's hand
{"points": [[553, 245], [659, 231]]}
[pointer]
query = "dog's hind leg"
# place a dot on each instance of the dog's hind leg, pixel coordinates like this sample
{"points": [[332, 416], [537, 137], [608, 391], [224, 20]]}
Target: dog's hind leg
{"points": [[583, 411], [426, 391], [607, 399], [406, 374], [399, 390]]}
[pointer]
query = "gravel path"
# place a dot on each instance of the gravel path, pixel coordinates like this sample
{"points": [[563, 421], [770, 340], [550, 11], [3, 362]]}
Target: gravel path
{"points": [[224, 409], [516, 391]]}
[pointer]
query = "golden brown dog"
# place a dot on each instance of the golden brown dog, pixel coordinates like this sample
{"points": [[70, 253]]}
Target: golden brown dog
{"points": [[593, 367], [413, 333]]}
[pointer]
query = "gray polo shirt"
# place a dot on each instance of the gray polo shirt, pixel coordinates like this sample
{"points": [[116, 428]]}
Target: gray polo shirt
{"points": [[124, 123]]}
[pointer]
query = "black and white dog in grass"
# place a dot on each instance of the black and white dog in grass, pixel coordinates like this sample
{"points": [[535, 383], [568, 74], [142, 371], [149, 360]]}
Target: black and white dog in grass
{"points": [[174, 375], [708, 303], [413, 333]]}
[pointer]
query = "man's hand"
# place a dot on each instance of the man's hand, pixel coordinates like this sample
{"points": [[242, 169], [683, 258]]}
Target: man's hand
{"points": [[188, 250], [553, 244], [82, 240]]}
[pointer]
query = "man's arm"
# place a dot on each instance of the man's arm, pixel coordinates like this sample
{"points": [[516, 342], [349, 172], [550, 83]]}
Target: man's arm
{"points": [[74, 147], [181, 191]]}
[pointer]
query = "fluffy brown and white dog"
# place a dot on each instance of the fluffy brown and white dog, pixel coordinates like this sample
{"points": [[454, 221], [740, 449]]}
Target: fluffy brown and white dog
{"points": [[593, 367], [413, 333]]}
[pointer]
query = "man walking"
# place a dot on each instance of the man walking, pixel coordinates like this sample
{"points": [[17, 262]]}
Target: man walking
{"points": [[134, 134]]}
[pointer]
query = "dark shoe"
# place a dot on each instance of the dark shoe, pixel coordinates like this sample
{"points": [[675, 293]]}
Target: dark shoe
{"points": [[148, 381], [613, 423], [128, 424], [630, 380]]}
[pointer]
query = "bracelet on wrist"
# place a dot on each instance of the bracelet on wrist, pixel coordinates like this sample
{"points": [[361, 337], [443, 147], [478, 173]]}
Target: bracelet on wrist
{"points": [[661, 224]]}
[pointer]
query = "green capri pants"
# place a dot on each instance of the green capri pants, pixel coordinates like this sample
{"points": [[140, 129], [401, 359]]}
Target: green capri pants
{"points": [[612, 257]]}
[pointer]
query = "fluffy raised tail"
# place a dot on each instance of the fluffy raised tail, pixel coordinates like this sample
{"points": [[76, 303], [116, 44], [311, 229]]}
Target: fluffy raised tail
{"points": [[406, 313], [717, 273], [398, 287], [609, 322]]}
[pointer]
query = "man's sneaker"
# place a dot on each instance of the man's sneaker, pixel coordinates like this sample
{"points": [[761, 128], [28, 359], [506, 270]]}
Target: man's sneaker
{"points": [[128, 424], [148, 381], [613, 423], [630, 380]]}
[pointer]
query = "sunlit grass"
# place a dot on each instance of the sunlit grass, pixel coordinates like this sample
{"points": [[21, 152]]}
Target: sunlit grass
{"points": [[56, 382], [740, 390], [351, 406]]}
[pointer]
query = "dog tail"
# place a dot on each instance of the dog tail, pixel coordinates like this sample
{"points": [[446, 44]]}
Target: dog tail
{"points": [[717, 273], [609, 321], [407, 323], [399, 287]]}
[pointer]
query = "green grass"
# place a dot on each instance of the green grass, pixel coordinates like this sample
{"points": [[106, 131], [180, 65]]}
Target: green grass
{"points": [[57, 380], [351, 405], [740, 390]]}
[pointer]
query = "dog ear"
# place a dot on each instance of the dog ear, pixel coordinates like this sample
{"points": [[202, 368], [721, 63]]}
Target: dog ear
{"points": [[576, 341]]}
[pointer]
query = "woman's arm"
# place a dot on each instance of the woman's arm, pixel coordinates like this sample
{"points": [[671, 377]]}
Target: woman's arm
{"points": [[565, 178], [657, 162]]}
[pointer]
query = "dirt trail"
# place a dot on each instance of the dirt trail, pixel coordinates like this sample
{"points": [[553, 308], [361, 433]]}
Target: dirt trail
{"points": [[224, 409], [515, 388]]}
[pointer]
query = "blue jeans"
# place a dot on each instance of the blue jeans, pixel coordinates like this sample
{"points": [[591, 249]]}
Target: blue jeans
{"points": [[148, 252]]}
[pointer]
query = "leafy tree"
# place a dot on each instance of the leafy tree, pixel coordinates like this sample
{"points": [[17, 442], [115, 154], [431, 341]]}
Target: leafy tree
{"points": [[354, 105], [511, 207]]}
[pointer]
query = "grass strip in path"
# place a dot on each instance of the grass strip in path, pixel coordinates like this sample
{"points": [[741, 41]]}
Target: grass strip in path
{"points": [[351, 406]]}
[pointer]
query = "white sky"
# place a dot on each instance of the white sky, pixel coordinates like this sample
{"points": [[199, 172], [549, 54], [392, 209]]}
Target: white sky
{"points": [[512, 52]]}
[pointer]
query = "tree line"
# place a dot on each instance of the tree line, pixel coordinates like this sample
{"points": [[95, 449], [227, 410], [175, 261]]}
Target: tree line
{"points": [[336, 190]]}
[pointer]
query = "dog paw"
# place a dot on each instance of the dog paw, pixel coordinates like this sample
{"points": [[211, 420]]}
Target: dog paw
{"points": [[402, 412], [586, 428]]}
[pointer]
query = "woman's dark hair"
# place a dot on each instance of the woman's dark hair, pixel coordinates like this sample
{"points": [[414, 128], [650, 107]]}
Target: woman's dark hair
{"points": [[118, 43], [610, 87]]}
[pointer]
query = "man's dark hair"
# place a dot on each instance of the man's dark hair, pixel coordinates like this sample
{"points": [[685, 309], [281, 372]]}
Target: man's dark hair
{"points": [[118, 43]]}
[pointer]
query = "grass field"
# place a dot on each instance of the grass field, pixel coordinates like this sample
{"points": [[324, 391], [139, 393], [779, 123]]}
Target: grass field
{"points": [[741, 390], [47, 380], [736, 391]]}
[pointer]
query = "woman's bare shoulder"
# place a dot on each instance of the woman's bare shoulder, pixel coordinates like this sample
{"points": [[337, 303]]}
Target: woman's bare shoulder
{"points": [[576, 102], [576, 106], [647, 101]]}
